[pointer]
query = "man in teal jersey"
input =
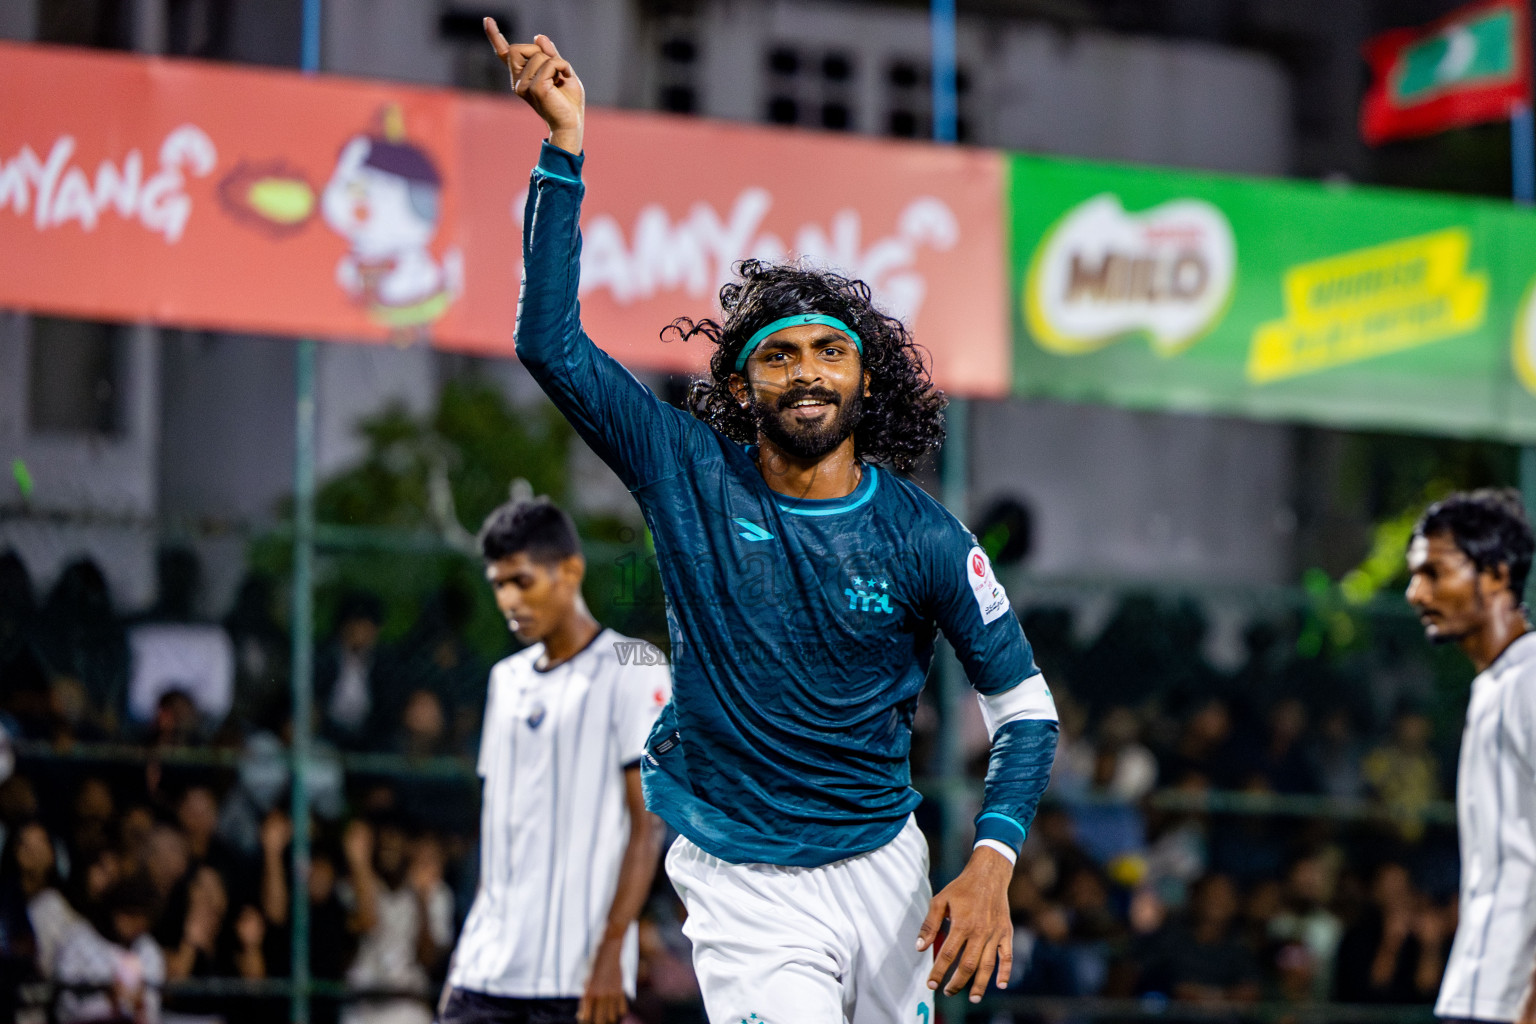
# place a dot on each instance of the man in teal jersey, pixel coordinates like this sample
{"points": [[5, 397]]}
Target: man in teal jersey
{"points": [[805, 587]]}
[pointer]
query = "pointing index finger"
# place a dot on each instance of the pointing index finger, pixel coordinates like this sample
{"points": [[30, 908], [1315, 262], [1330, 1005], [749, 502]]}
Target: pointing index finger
{"points": [[498, 41]]}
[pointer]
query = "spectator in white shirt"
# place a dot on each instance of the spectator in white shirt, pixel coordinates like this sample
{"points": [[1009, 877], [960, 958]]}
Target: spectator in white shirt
{"points": [[402, 911], [111, 973]]}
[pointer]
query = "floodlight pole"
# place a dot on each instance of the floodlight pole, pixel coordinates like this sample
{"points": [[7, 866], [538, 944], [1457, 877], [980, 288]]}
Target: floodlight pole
{"points": [[303, 613]]}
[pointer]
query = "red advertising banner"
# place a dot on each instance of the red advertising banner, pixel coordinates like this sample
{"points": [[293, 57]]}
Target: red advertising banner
{"points": [[209, 196]]}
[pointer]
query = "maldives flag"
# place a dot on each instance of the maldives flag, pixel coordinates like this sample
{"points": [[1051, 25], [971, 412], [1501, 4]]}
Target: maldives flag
{"points": [[1472, 66]]}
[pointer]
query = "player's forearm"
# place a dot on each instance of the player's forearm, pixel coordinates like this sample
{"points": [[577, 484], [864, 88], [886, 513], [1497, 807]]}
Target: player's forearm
{"points": [[1018, 771], [274, 890], [365, 885], [636, 871], [548, 325]]}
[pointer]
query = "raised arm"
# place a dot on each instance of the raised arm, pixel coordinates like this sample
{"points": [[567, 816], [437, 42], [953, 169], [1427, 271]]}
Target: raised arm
{"points": [[642, 438]]}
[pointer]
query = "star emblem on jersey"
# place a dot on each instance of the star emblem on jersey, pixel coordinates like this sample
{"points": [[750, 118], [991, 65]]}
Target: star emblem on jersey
{"points": [[868, 594]]}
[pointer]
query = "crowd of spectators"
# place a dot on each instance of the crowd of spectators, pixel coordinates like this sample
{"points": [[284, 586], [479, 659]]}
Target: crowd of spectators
{"points": [[121, 874]]}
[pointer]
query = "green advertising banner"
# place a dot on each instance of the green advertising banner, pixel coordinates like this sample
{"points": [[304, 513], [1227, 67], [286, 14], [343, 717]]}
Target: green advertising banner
{"points": [[1341, 305]]}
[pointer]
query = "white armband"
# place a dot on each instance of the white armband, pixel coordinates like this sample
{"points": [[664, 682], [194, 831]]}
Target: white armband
{"points": [[1029, 700]]}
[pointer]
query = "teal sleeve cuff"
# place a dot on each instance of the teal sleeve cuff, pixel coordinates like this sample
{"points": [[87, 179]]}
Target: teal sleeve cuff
{"points": [[555, 162], [1000, 827]]}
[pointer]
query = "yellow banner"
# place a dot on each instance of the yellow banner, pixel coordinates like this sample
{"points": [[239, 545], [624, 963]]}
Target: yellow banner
{"points": [[1371, 302]]}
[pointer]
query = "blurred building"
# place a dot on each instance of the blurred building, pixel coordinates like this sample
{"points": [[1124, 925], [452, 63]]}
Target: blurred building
{"points": [[123, 427]]}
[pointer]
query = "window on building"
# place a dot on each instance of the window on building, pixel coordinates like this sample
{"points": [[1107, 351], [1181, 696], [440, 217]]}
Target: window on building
{"points": [[104, 23], [677, 65], [75, 372], [810, 86], [475, 64], [197, 28], [909, 99]]}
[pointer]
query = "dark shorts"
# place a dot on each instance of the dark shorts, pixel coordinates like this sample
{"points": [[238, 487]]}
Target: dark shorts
{"points": [[465, 1007]]}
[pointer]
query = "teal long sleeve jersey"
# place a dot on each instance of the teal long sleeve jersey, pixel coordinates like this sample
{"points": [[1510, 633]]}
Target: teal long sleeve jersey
{"points": [[801, 630]]}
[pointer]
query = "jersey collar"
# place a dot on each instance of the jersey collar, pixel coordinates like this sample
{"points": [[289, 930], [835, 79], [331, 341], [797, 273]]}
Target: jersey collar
{"points": [[861, 495]]}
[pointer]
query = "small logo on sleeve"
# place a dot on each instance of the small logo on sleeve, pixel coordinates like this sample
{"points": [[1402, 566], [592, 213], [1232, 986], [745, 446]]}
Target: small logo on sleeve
{"points": [[991, 599]]}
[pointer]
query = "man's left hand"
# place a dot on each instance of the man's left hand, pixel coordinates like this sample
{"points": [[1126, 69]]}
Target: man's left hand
{"points": [[980, 930], [604, 1001]]}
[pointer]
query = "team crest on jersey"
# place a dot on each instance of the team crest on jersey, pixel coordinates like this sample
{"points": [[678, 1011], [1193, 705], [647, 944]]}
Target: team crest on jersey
{"points": [[869, 592], [535, 715]]}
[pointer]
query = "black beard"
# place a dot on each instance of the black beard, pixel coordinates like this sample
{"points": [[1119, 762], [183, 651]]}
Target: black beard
{"points": [[809, 442]]}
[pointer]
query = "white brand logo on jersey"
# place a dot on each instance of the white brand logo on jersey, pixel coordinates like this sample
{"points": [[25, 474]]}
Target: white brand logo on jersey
{"points": [[990, 596]]}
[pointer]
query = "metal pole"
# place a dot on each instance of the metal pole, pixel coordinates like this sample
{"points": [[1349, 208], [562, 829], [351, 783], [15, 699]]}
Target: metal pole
{"points": [[950, 767], [303, 668], [946, 103], [954, 480], [954, 473], [1522, 153], [303, 612]]}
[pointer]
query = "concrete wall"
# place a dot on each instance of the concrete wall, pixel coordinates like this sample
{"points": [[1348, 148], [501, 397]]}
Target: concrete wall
{"points": [[92, 494], [1108, 97], [1134, 495]]}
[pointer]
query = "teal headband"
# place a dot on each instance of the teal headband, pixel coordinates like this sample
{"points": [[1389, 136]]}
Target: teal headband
{"points": [[799, 319]]}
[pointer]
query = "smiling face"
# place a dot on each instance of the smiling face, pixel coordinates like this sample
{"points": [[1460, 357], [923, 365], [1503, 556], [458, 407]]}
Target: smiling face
{"points": [[804, 386], [535, 597], [1448, 591]]}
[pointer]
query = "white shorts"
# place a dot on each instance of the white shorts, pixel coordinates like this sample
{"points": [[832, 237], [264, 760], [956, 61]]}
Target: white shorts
{"points": [[823, 945]]}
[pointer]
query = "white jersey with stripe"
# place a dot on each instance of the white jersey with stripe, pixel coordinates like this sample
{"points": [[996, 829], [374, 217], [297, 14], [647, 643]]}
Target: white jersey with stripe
{"points": [[1494, 953], [554, 820]]}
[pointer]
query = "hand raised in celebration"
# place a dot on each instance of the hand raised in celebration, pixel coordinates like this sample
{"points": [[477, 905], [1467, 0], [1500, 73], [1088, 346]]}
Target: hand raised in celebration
{"points": [[547, 82]]}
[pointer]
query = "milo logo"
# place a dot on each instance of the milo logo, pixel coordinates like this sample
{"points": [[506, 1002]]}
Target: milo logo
{"points": [[1101, 274]]}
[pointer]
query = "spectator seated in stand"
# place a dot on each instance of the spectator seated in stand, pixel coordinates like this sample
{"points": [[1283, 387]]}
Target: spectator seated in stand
{"points": [[1201, 958], [171, 649], [347, 689], [261, 645], [81, 638], [1396, 951], [1404, 773], [110, 969], [1280, 762], [29, 870], [402, 913]]}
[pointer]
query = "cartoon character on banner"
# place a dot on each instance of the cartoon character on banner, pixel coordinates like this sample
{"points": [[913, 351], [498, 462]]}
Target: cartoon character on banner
{"points": [[384, 198]]}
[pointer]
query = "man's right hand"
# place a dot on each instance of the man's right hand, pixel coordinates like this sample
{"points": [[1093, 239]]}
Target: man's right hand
{"points": [[547, 82]]}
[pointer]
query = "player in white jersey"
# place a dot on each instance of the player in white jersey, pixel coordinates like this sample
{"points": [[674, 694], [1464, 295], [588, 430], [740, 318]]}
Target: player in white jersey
{"points": [[567, 849], [1468, 563]]}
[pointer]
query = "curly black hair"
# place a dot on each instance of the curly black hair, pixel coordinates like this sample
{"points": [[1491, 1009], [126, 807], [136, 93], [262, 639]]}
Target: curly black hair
{"points": [[903, 417]]}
